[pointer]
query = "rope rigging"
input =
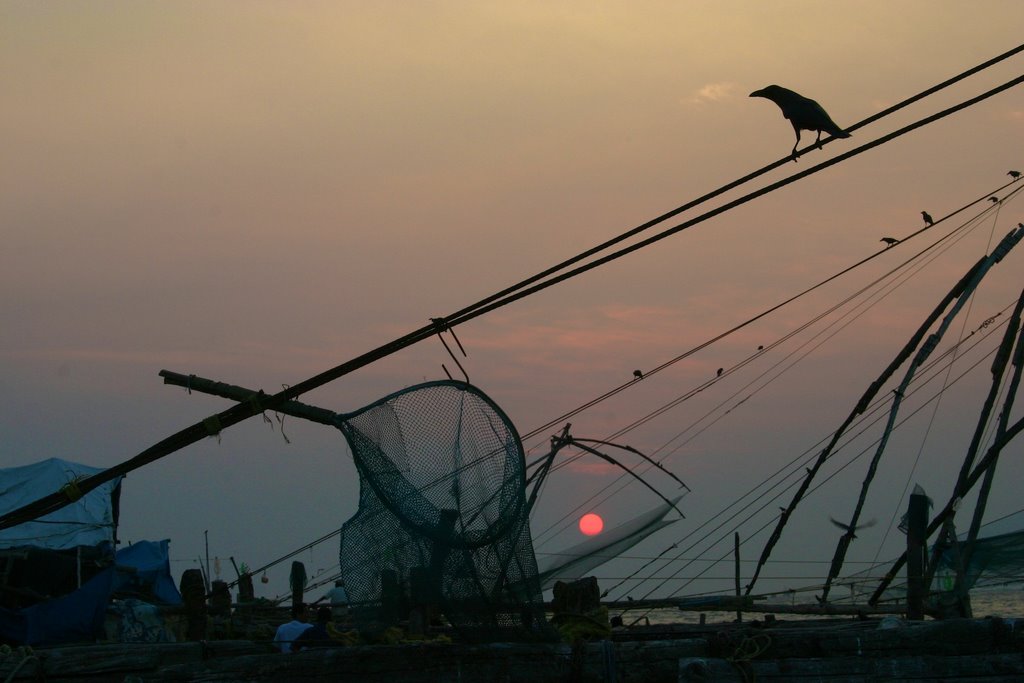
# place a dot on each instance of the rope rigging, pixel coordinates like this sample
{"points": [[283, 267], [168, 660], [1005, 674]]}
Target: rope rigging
{"points": [[932, 248], [924, 251], [632, 576], [766, 504], [948, 240], [899, 506], [242, 411], [964, 285], [797, 469], [924, 350], [686, 354]]}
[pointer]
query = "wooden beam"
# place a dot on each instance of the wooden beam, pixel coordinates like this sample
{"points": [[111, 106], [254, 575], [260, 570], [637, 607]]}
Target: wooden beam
{"points": [[244, 395]]}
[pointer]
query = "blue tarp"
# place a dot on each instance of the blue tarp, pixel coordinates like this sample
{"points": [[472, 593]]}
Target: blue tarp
{"points": [[78, 616], [152, 569], [75, 617], [89, 521]]}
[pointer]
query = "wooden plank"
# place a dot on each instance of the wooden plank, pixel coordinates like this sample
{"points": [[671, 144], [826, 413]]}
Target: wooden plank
{"points": [[955, 637], [977, 669], [115, 660], [979, 650], [825, 610], [641, 662]]}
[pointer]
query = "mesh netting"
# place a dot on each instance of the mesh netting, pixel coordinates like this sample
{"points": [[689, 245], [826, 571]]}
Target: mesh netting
{"points": [[995, 561], [442, 516]]}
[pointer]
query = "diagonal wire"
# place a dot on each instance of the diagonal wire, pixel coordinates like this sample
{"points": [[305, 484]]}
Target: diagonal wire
{"points": [[699, 388], [215, 424]]}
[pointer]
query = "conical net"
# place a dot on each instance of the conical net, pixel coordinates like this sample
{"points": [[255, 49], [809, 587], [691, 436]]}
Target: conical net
{"points": [[442, 521]]}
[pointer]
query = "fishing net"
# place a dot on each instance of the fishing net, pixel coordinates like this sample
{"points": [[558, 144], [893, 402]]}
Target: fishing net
{"points": [[442, 517], [995, 561]]}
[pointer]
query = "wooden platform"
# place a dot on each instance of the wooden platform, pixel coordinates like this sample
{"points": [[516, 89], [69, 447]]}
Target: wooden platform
{"points": [[977, 650]]}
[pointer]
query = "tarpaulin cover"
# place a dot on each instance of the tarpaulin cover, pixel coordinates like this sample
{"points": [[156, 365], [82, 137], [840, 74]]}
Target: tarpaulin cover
{"points": [[89, 521], [152, 570], [78, 616]]}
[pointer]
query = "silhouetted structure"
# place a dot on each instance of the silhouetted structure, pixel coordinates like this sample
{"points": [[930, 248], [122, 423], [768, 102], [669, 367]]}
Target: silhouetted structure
{"points": [[804, 113]]}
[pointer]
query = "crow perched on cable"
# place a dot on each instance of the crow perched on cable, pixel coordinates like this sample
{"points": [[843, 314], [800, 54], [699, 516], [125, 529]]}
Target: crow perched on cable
{"points": [[802, 112], [1013, 174], [889, 241], [927, 219], [994, 200], [638, 374]]}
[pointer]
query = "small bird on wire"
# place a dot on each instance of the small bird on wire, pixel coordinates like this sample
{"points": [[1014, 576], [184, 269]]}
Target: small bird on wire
{"points": [[927, 219], [850, 530], [1013, 174], [889, 241], [994, 200], [638, 374], [720, 371], [804, 113]]}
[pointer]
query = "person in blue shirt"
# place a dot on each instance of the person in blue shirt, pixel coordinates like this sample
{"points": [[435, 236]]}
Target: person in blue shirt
{"points": [[316, 635], [287, 633]]}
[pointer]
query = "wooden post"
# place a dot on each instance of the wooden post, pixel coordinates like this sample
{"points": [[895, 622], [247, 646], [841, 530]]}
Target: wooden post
{"points": [[423, 598], [246, 592], [739, 602], [297, 582], [193, 594], [390, 597], [220, 599], [917, 550]]}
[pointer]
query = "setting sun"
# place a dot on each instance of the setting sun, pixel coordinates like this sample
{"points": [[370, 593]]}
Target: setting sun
{"points": [[591, 524]]}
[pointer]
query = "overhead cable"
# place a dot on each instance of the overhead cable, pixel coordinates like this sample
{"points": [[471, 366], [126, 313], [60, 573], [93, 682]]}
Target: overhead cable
{"points": [[215, 424]]}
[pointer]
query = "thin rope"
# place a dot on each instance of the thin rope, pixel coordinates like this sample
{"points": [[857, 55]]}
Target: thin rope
{"points": [[811, 491], [241, 412], [931, 420], [808, 454], [966, 226]]}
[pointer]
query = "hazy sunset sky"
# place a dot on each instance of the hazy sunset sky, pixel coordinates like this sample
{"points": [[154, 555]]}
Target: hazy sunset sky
{"points": [[256, 192]]}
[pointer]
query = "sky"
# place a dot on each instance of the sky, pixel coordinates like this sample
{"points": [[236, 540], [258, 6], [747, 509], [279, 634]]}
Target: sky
{"points": [[257, 192]]}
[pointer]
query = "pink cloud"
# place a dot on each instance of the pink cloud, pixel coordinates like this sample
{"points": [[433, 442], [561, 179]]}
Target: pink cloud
{"points": [[713, 92]]}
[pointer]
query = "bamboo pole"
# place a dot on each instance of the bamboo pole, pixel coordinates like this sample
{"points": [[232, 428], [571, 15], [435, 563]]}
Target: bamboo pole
{"points": [[917, 549], [736, 553], [243, 395], [990, 456], [728, 603], [861, 406], [214, 424]]}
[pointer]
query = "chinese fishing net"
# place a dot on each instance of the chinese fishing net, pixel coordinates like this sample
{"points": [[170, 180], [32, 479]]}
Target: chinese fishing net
{"points": [[442, 517]]}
